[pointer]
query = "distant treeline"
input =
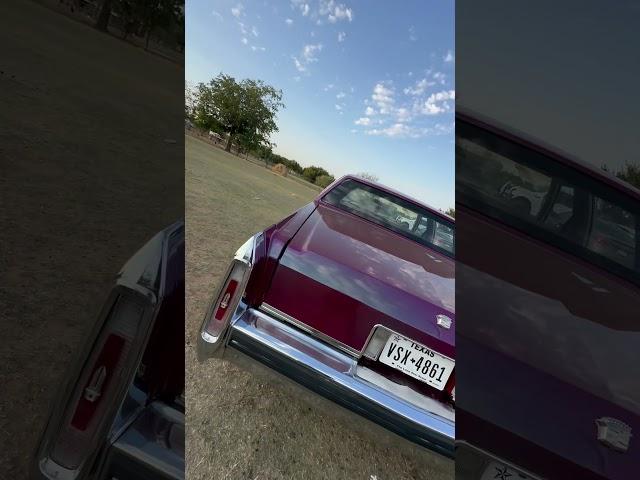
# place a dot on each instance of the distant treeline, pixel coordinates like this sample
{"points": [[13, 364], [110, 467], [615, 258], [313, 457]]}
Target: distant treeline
{"points": [[316, 175]]}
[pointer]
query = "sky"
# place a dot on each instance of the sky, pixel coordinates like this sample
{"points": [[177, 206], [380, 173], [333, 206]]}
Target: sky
{"points": [[573, 85], [368, 86]]}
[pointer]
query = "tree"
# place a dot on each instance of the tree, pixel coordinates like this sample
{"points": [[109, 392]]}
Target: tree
{"points": [[246, 109], [368, 176], [630, 174], [324, 180], [451, 212], [102, 23], [312, 172]]}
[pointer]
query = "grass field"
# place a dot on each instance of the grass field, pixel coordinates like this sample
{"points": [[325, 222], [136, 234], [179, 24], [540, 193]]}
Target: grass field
{"points": [[84, 129], [239, 427]]}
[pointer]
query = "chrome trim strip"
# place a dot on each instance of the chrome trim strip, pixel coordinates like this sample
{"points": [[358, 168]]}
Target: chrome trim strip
{"points": [[280, 315], [332, 373]]}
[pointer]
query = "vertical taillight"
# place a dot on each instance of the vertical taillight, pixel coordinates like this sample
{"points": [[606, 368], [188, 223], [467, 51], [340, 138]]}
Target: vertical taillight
{"points": [[103, 375], [224, 305], [225, 301]]}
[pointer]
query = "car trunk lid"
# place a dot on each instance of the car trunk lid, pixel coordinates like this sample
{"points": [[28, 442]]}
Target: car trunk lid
{"points": [[341, 275]]}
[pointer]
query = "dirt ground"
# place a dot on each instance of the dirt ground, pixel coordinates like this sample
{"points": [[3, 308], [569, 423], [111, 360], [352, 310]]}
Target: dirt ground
{"points": [[87, 169], [239, 427]]}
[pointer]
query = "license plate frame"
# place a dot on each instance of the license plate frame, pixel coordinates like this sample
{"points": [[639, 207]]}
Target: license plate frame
{"points": [[412, 358]]}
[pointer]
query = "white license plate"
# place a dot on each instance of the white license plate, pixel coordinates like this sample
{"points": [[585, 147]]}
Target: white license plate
{"points": [[498, 471], [417, 361]]}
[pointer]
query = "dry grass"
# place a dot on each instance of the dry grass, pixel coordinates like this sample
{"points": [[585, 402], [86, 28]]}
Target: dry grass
{"points": [[239, 427], [79, 137]]}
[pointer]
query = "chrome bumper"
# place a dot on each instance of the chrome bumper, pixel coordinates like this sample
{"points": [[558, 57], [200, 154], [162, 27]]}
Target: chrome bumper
{"points": [[256, 336]]}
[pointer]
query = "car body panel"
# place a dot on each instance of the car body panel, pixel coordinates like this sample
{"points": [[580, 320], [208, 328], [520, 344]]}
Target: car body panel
{"points": [[547, 332], [342, 275]]}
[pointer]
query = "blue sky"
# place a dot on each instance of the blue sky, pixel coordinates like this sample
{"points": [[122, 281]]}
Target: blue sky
{"points": [[368, 86]]}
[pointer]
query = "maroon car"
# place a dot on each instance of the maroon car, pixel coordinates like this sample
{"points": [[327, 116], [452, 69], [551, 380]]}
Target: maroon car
{"points": [[352, 297], [549, 336]]}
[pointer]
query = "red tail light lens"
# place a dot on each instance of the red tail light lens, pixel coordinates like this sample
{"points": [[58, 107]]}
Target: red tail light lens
{"points": [[227, 297]]}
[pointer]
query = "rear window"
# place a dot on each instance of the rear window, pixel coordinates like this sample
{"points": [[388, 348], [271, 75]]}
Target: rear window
{"points": [[394, 213], [547, 199]]}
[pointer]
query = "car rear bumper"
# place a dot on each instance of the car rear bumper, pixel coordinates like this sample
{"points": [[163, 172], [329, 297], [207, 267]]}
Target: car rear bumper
{"points": [[256, 338]]}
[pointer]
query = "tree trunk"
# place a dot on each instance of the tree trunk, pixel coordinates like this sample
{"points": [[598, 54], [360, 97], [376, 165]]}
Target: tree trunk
{"points": [[229, 142], [102, 23]]}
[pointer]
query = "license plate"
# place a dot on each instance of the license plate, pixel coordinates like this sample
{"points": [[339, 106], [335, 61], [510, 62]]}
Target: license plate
{"points": [[417, 361], [498, 471]]}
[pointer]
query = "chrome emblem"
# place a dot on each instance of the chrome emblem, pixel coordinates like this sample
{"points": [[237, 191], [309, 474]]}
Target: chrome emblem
{"points": [[613, 433], [443, 321]]}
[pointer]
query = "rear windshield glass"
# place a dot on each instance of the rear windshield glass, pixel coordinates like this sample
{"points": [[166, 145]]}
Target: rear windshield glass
{"points": [[394, 213], [549, 200]]}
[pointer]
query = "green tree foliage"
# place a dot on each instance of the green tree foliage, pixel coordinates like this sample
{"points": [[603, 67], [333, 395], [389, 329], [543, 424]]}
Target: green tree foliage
{"points": [[324, 180], [630, 174], [313, 172], [245, 110], [451, 212]]}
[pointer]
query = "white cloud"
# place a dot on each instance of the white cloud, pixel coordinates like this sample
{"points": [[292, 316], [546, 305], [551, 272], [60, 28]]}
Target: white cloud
{"points": [[338, 107], [308, 56], [440, 78], [437, 103], [238, 10], [309, 52], [254, 31], [341, 95], [382, 96], [304, 8], [419, 87], [257, 49], [299, 66], [334, 12], [288, 21], [394, 131], [391, 114], [341, 36], [403, 115], [329, 87], [218, 15], [244, 40], [296, 78], [449, 57], [412, 33]]}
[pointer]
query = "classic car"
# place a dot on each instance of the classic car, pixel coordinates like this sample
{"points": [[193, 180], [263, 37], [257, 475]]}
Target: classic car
{"points": [[120, 413], [341, 299], [548, 329]]}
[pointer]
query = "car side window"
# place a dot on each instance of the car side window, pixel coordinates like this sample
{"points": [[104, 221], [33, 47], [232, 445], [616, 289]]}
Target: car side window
{"points": [[501, 181], [613, 233]]}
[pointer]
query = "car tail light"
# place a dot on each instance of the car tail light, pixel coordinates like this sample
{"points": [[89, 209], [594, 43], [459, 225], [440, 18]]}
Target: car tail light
{"points": [[103, 376], [226, 300]]}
